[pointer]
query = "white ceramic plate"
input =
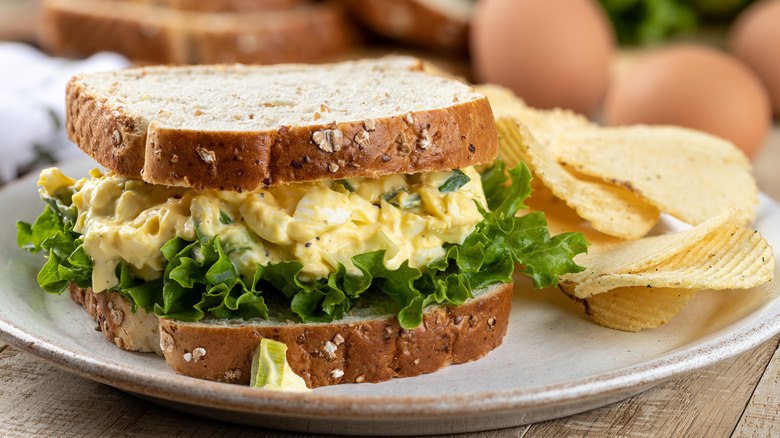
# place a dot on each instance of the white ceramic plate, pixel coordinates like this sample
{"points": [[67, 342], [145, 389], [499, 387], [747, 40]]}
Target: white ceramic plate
{"points": [[554, 362]]}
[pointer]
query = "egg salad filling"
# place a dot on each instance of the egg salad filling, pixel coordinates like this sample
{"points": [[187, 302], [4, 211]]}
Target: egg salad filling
{"points": [[320, 224], [321, 247]]}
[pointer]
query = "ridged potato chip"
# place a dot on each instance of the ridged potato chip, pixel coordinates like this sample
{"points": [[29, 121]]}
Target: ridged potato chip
{"points": [[561, 218], [610, 209], [718, 254], [633, 308], [688, 174], [644, 283], [545, 125]]}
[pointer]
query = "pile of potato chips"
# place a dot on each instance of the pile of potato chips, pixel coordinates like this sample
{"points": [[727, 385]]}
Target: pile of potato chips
{"points": [[612, 184]]}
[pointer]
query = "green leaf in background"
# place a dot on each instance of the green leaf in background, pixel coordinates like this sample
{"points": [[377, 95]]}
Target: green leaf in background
{"points": [[649, 21]]}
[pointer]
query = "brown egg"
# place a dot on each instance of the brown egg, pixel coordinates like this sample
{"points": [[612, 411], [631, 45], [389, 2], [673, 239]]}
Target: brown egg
{"points": [[696, 87], [552, 53], [755, 39]]}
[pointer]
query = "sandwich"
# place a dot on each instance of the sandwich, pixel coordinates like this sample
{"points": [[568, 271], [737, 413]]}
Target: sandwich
{"points": [[356, 212]]}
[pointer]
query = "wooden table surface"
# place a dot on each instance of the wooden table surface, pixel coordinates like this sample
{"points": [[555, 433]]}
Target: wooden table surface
{"points": [[739, 397]]}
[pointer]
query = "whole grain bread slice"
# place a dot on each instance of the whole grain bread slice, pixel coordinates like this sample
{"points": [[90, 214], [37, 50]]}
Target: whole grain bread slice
{"points": [[146, 32], [236, 127], [366, 346]]}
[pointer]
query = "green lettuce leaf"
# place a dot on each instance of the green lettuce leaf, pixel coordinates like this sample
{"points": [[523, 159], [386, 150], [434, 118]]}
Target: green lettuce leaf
{"points": [[53, 234], [199, 281]]}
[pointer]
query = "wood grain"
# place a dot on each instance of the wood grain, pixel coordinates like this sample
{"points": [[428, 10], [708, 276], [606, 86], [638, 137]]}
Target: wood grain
{"points": [[39, 399], [707, 403], [762, 415]]}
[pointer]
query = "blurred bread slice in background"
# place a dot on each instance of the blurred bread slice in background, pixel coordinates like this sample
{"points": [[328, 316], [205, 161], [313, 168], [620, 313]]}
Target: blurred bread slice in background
{"points": [[221, 5], [440, 25], [17, 20], [161, 31]]}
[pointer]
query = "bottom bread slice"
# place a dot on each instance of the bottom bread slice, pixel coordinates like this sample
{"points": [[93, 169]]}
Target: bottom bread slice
{"points": [[368, 345]]}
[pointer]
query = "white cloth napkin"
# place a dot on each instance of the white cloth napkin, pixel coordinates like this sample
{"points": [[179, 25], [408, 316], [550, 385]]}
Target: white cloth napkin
{"points": [[32, 105]]}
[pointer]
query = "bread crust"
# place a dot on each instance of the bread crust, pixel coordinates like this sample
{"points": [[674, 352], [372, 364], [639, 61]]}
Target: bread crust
{"points": [[130, 331], [461, 135], [222, 5], [413, 22], [370, 350], [156, 34]]}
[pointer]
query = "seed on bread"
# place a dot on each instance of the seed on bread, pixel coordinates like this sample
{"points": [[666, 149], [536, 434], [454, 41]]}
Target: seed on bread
{"points": [[402, 144], [337, 373], [206, 155], [167, 343], [330, 348], [362, 138], [329, 140], [198, 353], [117, 137], [117, 316], [425, 139], [233, 375]]}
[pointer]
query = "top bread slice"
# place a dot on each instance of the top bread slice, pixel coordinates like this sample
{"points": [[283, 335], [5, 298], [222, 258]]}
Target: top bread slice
{"points": [[236, 127]]}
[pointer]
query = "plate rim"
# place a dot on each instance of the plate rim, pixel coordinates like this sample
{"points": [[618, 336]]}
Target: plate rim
{"points": [[337, 407]]}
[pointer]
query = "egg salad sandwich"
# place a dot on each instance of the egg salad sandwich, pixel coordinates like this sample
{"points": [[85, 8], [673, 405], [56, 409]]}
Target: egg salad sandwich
{"points": [[355, 212]]}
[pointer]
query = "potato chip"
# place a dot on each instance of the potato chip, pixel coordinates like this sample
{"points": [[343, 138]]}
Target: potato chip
{"points": [[609, 209], [543, 124], [589, 175], [718, 254], [561, 218], [633, 308], [688, 174]]}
